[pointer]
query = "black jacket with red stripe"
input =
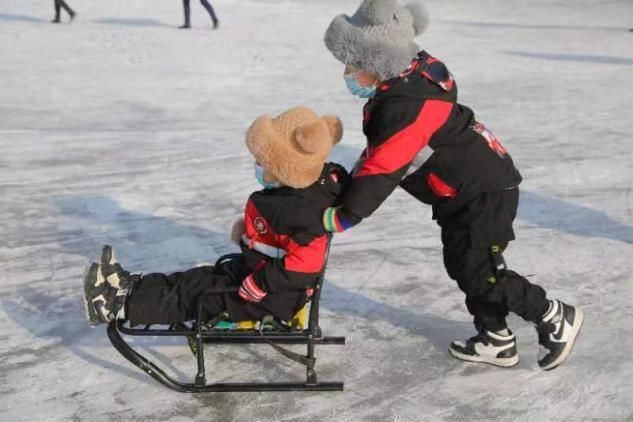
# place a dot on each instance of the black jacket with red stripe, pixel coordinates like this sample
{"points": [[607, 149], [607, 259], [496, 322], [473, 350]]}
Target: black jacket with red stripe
{"points": [[421, 138], [284, 246]]}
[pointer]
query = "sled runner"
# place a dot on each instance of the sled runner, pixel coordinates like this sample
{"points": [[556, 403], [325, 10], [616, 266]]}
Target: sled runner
{"points": [[217, 331]]}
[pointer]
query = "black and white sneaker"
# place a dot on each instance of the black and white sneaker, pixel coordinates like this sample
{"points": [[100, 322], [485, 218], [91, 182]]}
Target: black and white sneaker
{"points": [[102, 302], [111, 271], [557, 333], [93, 286], [487, 347]]}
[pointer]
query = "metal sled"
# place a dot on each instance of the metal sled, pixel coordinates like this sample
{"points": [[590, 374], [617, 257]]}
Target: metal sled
{"points": [[203, 332]]}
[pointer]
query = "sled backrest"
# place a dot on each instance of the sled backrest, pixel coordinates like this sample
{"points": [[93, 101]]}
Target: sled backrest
{"points": [[305, 318]]}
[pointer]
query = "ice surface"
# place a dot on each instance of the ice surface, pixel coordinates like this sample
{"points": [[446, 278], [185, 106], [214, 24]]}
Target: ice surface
{"points": [[120, 128]]}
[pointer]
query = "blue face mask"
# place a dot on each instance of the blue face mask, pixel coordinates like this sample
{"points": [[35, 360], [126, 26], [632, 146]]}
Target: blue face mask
{"points": [[356, 89], [259, 175]]}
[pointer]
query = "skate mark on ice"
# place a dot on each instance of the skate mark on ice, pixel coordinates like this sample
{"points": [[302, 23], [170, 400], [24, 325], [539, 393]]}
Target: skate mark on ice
{"points": [[582, 58], [138, 22], [19, 18], [578, 220], [437, 330], [539, 27], [143, 242], [58, 315]]}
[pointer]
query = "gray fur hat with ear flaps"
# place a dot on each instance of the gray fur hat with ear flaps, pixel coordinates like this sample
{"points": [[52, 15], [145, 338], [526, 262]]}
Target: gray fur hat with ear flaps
{"points": [[378, 38]]}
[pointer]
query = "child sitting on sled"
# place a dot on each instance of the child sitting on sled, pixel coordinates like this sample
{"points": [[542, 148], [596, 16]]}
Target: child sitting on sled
{"points": [[281, 237]]}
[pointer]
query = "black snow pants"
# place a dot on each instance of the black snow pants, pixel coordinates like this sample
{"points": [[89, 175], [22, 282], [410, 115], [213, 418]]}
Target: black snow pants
{"points": [[169, 299], [205, 4], [474, 238]]}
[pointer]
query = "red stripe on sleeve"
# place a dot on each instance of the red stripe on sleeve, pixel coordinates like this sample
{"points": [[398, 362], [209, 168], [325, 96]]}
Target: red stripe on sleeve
{"points": [[306, 259], [252, 288], [440, 187], [402, 147]]}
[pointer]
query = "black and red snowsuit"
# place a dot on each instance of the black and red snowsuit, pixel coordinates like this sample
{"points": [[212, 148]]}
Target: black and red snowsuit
{"points": [[420, 138], [283, 252]]}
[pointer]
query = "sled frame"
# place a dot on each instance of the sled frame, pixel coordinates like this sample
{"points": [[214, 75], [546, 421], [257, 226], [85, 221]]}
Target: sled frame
{"points": [[199, 334]]}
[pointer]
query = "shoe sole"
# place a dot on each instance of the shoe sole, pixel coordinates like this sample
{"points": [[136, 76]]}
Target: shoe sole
{"points": [[90, 277], [501, 362], [580, 318]]}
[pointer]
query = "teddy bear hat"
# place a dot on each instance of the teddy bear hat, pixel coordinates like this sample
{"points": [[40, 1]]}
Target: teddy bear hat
{"points": [[294, 145]]}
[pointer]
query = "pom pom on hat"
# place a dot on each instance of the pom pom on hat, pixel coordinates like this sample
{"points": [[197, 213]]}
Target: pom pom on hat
{"points": [[420, 17], [378, 37]]}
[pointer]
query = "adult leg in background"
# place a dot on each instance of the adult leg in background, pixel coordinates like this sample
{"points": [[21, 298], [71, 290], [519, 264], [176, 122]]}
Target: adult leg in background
{"points": [[214, 19], [186, 7]]}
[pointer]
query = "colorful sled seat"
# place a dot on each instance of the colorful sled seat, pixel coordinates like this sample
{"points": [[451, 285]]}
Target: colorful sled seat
{"points": [[298, 322]]}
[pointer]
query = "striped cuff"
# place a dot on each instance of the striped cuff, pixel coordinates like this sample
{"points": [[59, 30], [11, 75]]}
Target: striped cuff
{"points": [[250, 291], [333, 221]]}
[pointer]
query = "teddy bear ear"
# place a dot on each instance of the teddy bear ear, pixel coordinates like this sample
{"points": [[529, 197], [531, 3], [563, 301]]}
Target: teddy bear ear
{"points": [[335, 126], [312, 136]]}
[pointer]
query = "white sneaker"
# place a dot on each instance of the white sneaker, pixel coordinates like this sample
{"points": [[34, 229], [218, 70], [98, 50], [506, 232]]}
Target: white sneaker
{"points": [[487, 347], [557, 333], [111, 271], [102, 302]]}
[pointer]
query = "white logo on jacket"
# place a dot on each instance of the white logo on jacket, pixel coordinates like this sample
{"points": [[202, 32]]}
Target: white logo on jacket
{"points": [[260, 225]]}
